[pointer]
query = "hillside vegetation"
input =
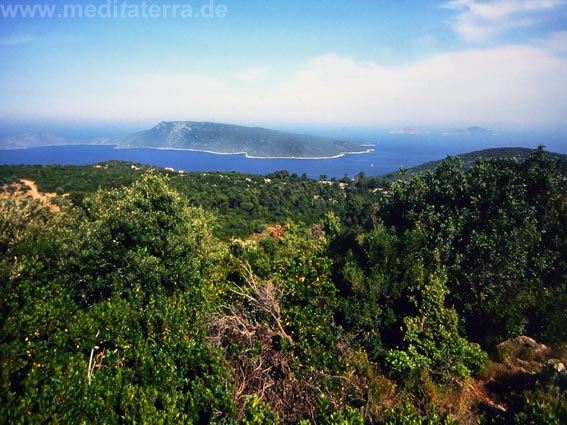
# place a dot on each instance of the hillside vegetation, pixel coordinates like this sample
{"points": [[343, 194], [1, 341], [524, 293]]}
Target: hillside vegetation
{"points": [[469, 159], [243, 203], [206, 137], [154, 297], [227, 138]]}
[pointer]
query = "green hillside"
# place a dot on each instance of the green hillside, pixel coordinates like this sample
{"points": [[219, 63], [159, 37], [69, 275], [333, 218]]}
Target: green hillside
{"points": [[469, 159], [150, 296], [227, 138]]}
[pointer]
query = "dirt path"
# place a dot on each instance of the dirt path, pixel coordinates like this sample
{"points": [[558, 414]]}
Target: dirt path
{"points": [[34, 192], [44, 198]]}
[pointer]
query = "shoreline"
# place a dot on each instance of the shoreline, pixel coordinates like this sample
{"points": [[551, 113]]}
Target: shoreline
{"points": [[245, 154]]}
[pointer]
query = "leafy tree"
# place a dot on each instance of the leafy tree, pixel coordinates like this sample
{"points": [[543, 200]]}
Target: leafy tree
{"points": [[102, 314], [143, 240], [496, 232], [432, 342], [119, 307], [309, 301]]}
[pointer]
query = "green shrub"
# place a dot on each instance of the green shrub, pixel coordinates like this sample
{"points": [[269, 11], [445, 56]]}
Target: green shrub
{"points": [[433, 343], [258, 413]]}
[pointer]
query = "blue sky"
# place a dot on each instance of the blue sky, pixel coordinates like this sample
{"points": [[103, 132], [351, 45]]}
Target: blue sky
{"points": [[353, 63]]}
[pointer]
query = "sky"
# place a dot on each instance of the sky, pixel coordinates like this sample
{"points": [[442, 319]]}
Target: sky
{"points": [[351, 63]]}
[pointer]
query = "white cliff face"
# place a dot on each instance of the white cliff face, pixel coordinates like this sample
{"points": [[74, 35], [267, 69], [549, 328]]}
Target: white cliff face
{"points": [[180, 132], [181, 127], [174, 133]]}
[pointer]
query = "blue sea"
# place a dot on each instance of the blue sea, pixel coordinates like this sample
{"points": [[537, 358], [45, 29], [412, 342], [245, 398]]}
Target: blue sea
{"points": [[391, 152]]}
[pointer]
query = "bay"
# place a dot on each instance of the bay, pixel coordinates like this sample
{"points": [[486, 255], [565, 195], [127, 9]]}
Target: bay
{"points": [[391, 152]]}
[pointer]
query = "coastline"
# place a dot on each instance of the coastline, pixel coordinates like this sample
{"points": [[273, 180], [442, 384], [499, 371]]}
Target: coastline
{"points": [[247, 155]]}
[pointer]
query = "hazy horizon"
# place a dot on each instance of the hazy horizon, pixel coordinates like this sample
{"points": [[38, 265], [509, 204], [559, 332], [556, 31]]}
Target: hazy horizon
{"points": [[318, 65]]}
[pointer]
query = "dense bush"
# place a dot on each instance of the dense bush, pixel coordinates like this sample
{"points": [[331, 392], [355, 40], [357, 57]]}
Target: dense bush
{"points": [[124, 306], [102, 313]]}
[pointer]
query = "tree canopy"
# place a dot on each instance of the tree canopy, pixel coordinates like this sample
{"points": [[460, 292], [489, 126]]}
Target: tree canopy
{"points": [[226, 298]]}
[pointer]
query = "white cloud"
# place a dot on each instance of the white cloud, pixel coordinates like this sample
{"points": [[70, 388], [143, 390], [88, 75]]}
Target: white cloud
{"points": [[425, 41], [478, 19], [556, 42], [252, 75], [508, 84], [16, 40], [515, 85]]}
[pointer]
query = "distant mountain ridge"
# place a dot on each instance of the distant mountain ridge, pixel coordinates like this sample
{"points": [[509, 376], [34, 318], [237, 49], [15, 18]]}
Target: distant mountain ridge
{"points": [[468, 159], [232, 139], [34, 140], [43, 139], [471, 131], [206, 137]]}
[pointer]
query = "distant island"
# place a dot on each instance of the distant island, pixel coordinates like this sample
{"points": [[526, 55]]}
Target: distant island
{"points": [[208, 137], [471, 131], [410, 131], [36, 140], [254, 142]]}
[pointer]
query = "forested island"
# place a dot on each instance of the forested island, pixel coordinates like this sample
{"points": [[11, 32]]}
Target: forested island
{"points": [[254, 142], [231, 139], [133, 294]]}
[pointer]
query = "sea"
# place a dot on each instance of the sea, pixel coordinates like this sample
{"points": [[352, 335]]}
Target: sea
{"points": [[391, 152]]}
